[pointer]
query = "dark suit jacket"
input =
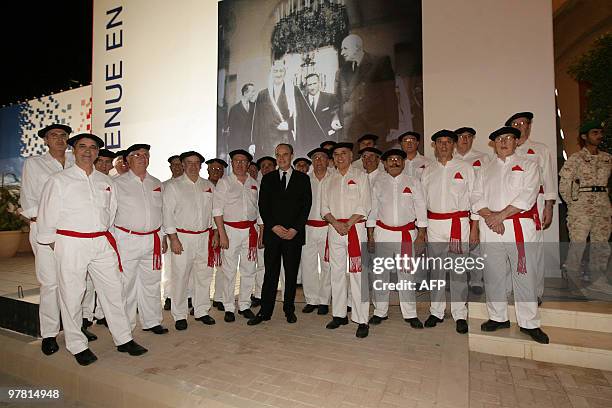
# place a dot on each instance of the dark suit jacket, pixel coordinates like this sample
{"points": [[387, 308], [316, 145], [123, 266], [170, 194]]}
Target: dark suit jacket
{"points": [[265, 121], [311, 132], [240, 124], [289, 208]]}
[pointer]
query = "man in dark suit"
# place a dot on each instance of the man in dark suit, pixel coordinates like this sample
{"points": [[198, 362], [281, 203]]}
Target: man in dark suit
{"points": [[320, 120], [365, 86], [285, 198], [240, 120]]}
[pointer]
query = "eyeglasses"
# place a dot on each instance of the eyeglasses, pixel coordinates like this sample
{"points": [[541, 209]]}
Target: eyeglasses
{"points": [[506, 138], [394, 159], [138, 155], [215, 169], [240, 161], [519, 123]]}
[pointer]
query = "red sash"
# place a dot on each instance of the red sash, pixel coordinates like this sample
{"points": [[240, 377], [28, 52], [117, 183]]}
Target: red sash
{"points": [[455, 233], [107, 234], [354, 248], [518, 235], [252, 236], [214, 254], [406, 249], [157, 259]]}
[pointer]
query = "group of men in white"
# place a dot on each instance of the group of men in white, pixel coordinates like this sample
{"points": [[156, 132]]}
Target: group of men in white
{"points": [[92, 231]]}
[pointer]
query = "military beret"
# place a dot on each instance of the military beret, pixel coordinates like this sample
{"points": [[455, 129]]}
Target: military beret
{"points": [[340, 145], [409, 133], [42, 132], [370, 149], [80, 136], [217, 160], [301, 159], [107, 153], [318, 150], [464, 129], [444, 133], [506, 130], [528, 115], [393, 152], [590, 125], [368, 136], [242, 152], [264, 158], [190, 153]]}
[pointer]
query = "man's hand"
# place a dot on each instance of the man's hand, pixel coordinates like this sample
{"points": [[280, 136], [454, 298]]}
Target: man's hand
{"points": [[499, 228], [419, 242], [280, 231], [223, 240], [371, 245], [291, 233], [252, 149], [283, 126], [341, 227], [547, 216], [165, 244], [474, 235], [175, 245], [336, 125], [260, 244], [215, 239], [494, 219]]}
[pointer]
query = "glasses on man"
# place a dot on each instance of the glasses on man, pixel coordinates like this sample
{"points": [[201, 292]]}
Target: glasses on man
{"points": [[139, 155], [519, 123], [505, 138], [241, 161]]}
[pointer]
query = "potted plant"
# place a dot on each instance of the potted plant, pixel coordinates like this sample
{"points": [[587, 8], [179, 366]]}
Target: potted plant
{"points": [[11, 223]]}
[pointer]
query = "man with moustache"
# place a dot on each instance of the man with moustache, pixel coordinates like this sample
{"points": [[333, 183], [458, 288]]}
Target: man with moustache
{"points": [[345, 204], [448, 183], [284, 204], [415, 162], [137, 228], [366, 141], [236, 214], [240, 119], [187, 219], [464, 151], [398, 211], [504, 196], [77, 230]]}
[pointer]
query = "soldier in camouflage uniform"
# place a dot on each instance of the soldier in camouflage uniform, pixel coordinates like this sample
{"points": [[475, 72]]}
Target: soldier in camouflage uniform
{"points": [[583, 186]]}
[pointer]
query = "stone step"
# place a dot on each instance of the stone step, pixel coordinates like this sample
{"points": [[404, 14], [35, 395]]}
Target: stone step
{"points": [[591, 316], [583, 348]]}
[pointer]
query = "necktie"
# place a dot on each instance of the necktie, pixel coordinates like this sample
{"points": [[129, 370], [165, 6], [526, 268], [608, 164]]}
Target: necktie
{"points": [[312, 105], [284, 181]]}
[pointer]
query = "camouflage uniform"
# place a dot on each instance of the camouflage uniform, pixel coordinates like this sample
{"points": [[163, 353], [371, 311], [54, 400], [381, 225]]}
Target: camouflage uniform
{"points": [[588, 211]]}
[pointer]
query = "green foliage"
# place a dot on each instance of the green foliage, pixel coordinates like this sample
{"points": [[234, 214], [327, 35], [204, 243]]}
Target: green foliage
{"points": [[10, 220], [595, 68]]}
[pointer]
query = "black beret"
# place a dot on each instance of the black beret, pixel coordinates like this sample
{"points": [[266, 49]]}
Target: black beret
{"points": [[65, 128], [174, 156], [331, 142], [190, 153], [261, 159], [122, 153], [368, 136], [80, 136], [242, 152], [409, 133], [506, 130], [107, 153], [318, 150], [393, 152], [528, 115], [340, 145], [135, 147], [370, 149], [217, 160], [299, 159], [464, 129], [444, 133]]}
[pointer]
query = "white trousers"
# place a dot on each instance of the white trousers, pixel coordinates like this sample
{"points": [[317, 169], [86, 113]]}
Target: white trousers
{"points": [[236, 256], [166, 277], [218, 296], [191, 266], [141, 284], [316, 280], [339, 262], [386, 249], [438, 235], [75, 257], [497, 251]]}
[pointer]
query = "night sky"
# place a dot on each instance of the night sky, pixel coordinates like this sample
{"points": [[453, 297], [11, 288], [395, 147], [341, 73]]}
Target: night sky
{"points": [[46, 47]]}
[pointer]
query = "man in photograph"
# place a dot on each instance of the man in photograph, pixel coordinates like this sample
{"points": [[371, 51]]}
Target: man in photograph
{"points": [[240, 119], [320, 120]]}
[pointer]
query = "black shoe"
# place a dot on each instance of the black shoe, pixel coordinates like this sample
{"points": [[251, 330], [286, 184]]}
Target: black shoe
{"points": [[229, 317], [49, 346], [377, 319], [218, 305], [167, 304], [85, 357], [322, 309], [461, 326], [492, 325], [255, 301], [181, 324], [207, 320], [132, 348], [87, 323], [477, 290], [414, 322], [540, 304], [309, 308], [90, 336], [537, 334], [246, 313], [432, 321], [349, 309], [362, 331], [337, 322], [102, 321], [189, 303], [159, 329], [257, 319], [291, 317]]}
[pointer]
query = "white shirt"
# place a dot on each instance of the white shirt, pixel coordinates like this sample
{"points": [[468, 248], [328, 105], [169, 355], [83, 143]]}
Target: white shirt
{"points": [[415, 167], [539, 154], [187, 205], [448, 187], [236, 201], [396, 201], [474, 157], [515, 182], [72, 200], [36, 172], [139, 203], [316, 189], [375, 174], [346, 195]]}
